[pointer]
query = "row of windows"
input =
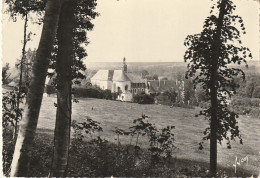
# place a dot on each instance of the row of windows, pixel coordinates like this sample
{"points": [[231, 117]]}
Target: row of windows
{"points": [[138, 85], [126, 89], [137, 90]]}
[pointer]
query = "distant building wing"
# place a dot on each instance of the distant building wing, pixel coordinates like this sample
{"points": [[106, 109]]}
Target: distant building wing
{"points": [[135, 78], [156, 86]]}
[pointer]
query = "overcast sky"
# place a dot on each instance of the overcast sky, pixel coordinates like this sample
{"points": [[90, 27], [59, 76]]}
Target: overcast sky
{"points": [[141, 30]]}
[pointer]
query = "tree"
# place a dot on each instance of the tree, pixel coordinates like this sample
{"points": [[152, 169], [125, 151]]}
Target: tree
{"points": [[22, 153], [200, 94], [83, 13], [209, 54], [171, 94], [28, 62], [144, 73], [67, 62], [189, 93], [5, 74], [64, 82]]}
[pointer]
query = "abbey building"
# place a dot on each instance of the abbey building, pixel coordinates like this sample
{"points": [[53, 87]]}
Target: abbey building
{"points": [[124, 83]]}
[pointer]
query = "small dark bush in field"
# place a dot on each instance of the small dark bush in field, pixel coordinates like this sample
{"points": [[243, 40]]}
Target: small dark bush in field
{"points": [[143, 99], [50, 89], [160, 141], [89, 127], [94, 92]]}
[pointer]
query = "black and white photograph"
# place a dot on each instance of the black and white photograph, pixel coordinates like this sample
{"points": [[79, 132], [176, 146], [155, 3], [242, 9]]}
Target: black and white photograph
{"points": [[130, 88]]}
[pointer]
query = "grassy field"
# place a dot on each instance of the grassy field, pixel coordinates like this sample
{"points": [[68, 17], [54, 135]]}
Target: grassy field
{"points": [[188, 132]]}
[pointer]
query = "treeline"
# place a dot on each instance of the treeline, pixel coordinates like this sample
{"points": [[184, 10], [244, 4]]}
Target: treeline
{"points": [[250, 87], [88, 92]]}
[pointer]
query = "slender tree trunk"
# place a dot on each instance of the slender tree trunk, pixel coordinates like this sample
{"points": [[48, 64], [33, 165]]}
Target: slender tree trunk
{"points": [[64, 77], [22, 153], [21, 76], [214, 92]]}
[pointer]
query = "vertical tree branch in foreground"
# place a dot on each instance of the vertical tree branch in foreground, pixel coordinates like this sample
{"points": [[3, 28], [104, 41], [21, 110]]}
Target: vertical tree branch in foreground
{"points": [[28, 125], [21, 75], [213, 90], [64, 77]]}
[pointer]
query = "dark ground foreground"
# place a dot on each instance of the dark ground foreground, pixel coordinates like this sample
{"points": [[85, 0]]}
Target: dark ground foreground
{"points": [[107, 159]]}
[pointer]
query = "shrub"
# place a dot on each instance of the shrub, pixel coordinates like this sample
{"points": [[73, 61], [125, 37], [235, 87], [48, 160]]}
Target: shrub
{"points": [[93, 92], [143, 99], [255, 112], [204, 104], [245, 105], [50, 89], [8, 149], [99, 158]]}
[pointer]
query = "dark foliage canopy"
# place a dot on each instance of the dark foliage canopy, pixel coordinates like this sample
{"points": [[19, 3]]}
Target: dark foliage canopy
{"points": [[200, 54]]}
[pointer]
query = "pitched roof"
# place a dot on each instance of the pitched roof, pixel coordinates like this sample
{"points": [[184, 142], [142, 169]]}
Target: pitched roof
{"points": [[103, 75], [119, 75], [164, 85], [135, 78]]}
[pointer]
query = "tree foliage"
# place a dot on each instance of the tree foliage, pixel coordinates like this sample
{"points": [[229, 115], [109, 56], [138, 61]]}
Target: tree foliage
{"points": [[5, 74], [84, 12], [23, 8], [201, 56]]}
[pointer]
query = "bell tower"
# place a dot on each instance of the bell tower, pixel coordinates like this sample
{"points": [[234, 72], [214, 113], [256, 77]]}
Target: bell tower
{"points": [[124, 67]]}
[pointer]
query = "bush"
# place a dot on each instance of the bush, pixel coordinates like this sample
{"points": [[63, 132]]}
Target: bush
{"points": [[50, 89], [93, 92], [245, 105], [143, 99], [99, 158], [8, 149], [204, 104], [255, 112]]}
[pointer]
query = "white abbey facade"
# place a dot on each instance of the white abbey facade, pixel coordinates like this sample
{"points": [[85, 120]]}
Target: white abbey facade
{"points": [[119, 81]]}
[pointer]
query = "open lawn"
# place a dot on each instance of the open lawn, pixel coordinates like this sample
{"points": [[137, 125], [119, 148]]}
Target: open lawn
{"points": [[188, 131]]}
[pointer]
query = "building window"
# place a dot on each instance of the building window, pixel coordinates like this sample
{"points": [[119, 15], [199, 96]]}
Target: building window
{"points": [[126, 87], [118, 89]]}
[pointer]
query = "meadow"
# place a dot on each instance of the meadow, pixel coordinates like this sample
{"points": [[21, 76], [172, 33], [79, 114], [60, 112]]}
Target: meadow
{"points": [[188, 131]]}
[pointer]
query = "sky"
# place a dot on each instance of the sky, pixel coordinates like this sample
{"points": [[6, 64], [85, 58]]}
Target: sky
{"points": [[140, 30]]}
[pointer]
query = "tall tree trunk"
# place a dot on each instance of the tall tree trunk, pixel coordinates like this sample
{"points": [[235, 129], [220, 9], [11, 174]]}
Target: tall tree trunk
{"points": [[22, 153], [64, 77], [21, 76], [214, 92]]}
